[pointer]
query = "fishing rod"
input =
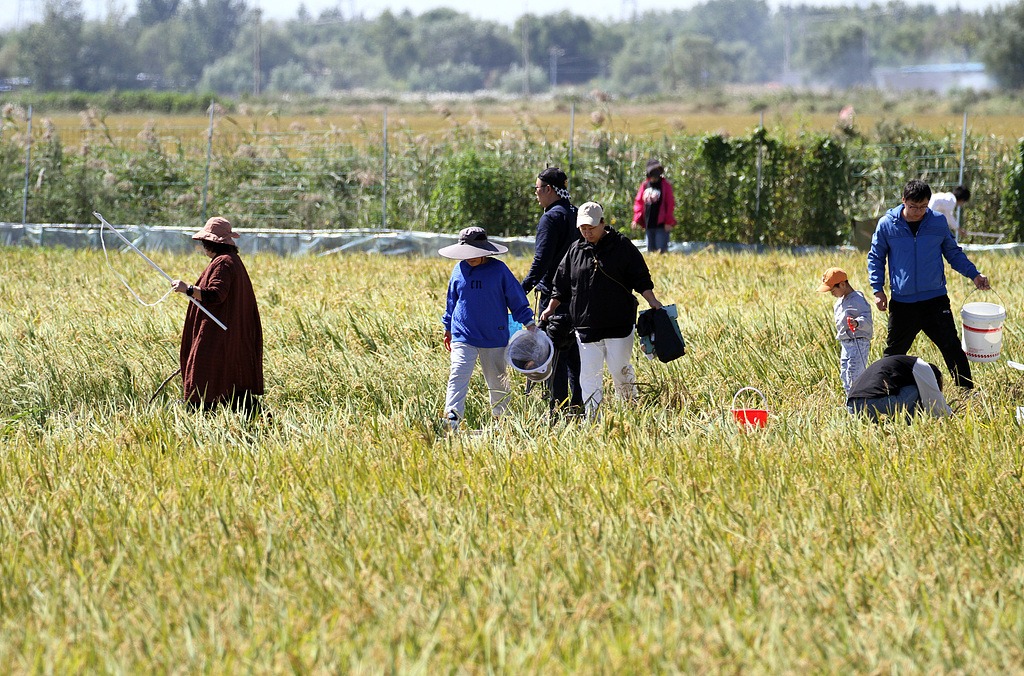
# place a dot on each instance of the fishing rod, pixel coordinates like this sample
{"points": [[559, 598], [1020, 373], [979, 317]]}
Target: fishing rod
{"points": [[157, 268]]}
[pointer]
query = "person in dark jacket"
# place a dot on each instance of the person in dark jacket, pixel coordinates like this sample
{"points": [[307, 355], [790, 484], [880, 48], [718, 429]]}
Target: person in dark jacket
{"points": [[556, 230], [912, 239], [597, 279], [218, 366], [898, 384]]}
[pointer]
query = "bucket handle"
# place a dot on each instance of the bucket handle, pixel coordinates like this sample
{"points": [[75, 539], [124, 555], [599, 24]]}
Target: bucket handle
{"points": [[976, 289], [764, 399]]}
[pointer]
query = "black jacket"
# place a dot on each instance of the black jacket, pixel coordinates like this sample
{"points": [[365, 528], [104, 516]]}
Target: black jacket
{"points": [[884, 377], [597, 281], [556, 231]]}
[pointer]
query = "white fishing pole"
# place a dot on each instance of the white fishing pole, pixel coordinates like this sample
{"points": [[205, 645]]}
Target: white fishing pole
{"points": [[157, 268]]}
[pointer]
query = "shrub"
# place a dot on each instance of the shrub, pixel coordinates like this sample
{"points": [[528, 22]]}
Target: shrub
{"points": [[1012, 204], [486, 188]]}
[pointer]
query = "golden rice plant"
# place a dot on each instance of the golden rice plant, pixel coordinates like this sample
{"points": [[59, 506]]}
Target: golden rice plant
{"points": [[348, 532]]}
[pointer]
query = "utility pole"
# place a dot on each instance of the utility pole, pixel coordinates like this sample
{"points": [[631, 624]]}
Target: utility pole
{"points": [[629, 10], [787, 45], [526, 55], [554, 52], [866, 58], [256, 65]]}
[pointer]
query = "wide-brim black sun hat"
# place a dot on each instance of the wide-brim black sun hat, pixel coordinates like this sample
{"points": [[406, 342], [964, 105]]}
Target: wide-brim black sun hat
{"points": [[473, 243]]}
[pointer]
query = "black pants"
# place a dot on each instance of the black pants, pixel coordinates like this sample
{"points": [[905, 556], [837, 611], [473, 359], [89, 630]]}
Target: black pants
{"points": [[564, 384], [935, 318]]}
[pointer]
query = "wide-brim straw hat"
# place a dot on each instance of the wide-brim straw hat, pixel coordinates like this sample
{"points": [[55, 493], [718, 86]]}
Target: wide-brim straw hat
{"points": [[218, 230], [473, 243]]}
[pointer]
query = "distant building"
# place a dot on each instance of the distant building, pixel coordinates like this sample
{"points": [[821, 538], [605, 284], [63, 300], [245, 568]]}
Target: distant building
{"points": [[936, 77]]}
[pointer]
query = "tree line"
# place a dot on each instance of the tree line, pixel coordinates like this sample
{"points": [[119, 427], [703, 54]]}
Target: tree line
{"points": [[227, 47]]}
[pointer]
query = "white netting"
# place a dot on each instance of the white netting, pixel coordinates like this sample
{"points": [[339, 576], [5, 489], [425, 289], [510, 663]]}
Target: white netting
{"points": [[531, 353]]}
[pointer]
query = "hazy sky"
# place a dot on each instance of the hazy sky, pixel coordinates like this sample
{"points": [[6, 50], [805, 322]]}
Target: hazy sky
{"points": [[504, 11]]}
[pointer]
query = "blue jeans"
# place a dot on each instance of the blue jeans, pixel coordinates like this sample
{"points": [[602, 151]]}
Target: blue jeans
{"points": [[905, 401], [657, 239]]}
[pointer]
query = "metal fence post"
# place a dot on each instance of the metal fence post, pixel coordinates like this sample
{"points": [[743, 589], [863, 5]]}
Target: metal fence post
{"points": [[963, 149], [572, 137], [209, 155], [963, 160], [384, 192], [760, 163], [28, 165]]}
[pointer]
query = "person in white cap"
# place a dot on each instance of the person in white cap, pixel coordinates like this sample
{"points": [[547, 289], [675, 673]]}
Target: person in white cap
{"points": [[481, 293], [597, 279], [218, 366]]}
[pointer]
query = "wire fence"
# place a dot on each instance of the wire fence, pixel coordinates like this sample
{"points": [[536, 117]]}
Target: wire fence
{"points": [[381, 174]]}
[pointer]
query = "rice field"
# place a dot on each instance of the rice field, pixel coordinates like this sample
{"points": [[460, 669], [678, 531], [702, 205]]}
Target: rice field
{"points": [[348, 532], [538, 119]]}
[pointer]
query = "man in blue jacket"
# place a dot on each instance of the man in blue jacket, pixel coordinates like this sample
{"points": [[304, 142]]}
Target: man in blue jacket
{"points": [[912, 240]]}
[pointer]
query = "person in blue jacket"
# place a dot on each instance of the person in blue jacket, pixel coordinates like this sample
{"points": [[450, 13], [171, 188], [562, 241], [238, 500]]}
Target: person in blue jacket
{"points": [[481, 292], [912, 240]]}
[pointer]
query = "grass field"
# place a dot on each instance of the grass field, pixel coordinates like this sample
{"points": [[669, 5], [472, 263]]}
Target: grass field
{"points": [[348, 533]]}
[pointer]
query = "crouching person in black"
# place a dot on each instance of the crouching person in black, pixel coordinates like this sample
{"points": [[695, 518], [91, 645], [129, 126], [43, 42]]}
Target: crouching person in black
{"points": [[898, 384]]}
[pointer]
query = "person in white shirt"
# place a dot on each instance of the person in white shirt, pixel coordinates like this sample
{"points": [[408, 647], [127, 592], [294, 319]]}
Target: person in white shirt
{"points": [[946, 203]]}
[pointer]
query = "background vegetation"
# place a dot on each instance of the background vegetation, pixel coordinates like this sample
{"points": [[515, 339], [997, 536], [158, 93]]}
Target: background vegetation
{"points": [[349, 533], [784, 185], [224, 46]]}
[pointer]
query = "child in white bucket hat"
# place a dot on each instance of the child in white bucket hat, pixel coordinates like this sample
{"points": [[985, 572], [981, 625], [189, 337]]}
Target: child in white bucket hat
{"points": [[481, 293]]}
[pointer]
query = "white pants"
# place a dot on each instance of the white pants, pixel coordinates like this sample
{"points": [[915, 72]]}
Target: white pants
{"points": [[492, 363], [617, 352], [853, 359]]}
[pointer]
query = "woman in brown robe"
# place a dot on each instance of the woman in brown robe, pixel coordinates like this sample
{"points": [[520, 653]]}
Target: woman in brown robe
{"points": [[219, 366]]}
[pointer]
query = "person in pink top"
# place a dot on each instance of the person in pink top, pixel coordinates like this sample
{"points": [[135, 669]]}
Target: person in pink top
{"points": [[654, 208]]}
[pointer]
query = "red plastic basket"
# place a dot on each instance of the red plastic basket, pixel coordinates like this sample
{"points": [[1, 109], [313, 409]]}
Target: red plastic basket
{"points": [[750, 417]]}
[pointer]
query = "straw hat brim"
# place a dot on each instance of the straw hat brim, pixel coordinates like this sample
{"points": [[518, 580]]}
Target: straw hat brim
{"points": [[461, 252]]}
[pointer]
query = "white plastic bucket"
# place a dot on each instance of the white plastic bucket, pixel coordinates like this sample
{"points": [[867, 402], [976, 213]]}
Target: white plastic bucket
{"points": [[983, 330]]}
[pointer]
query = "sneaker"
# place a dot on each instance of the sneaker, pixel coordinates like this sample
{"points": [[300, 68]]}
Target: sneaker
{"points": [[453, 421]]}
